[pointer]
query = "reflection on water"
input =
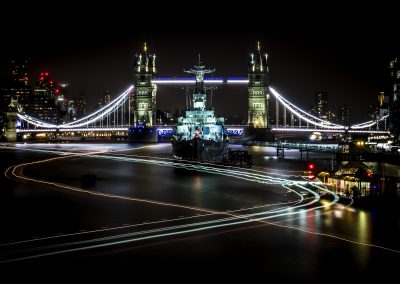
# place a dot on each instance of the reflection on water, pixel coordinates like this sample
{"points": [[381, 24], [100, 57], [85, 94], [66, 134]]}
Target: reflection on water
{"points": [[335, 220], [364, 236], [303, 218], [292, 252], [197, 183]]}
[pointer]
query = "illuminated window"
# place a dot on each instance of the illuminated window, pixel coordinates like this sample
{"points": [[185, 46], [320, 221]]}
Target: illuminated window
{"points": [[257, 105], [143, 106], [257, 93]]}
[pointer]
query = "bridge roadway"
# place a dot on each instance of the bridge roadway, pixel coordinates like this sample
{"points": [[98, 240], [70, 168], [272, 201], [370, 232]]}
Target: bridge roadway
{"points": [[236, 130], [147, 211]]}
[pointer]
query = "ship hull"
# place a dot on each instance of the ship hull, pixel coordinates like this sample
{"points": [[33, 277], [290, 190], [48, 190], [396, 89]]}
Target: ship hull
{"points": [[199, 149]]}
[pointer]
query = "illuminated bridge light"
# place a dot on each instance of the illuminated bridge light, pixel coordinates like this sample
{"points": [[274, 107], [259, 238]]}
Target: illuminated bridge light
{"points": [[94, 129], [368, 123], [235, 131], [237, 80], [174, 81], [213, 80], [301, 114], [369, 131], [186, 80], [85, 121], [165, 131], [288, 129], [83, 124]]}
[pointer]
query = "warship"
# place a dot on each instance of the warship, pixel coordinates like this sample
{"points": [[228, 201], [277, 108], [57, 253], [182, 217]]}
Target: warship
{"points": [[199, 134]]}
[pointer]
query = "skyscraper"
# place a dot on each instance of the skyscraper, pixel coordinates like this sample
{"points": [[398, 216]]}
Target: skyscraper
{"points": [[19, 73], [43, 104], [17, 85], [394, 97], [344, 115], [321, 104], [80, 104]]}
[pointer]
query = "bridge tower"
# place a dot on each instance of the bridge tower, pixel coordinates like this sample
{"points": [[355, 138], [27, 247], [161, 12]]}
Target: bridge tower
{"points": [[258, 89], [11, 114], [145, 91]]}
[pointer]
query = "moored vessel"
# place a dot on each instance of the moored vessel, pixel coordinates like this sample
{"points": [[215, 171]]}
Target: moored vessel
{"points": [[200, 135]]}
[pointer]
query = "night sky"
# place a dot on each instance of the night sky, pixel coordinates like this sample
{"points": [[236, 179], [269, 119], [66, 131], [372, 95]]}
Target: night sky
{"points": [[342, 51]]}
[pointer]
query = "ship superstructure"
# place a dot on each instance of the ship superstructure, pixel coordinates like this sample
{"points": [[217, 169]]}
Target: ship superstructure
{"points": [[199, 134]]}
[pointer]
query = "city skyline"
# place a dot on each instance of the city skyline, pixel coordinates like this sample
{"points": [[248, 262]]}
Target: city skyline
{"points": [[348, 59]]}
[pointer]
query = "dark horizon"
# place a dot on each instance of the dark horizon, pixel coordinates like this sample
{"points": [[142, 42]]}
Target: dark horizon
{"points": [[339, 51]]}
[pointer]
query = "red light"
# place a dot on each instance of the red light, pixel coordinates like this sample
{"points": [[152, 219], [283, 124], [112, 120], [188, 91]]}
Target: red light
{"points": [[57, 91], [41, 74], [47, 73], [51, 82], [311, 166], [41, 78]]}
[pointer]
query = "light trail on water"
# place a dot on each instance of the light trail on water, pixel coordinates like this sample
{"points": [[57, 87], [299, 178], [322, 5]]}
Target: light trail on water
{"points": [[232, 220]]}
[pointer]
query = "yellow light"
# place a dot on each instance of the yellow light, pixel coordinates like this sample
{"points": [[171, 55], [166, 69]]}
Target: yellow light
{"points": [[145, 46]]}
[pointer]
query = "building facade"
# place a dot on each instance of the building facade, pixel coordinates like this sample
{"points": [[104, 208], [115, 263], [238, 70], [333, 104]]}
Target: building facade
{"points": [[394, 97], [17, 85], [320, 108], [344, 115]]}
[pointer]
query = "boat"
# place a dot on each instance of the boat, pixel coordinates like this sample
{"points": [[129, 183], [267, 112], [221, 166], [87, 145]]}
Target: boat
{"points": [[199, 134]]}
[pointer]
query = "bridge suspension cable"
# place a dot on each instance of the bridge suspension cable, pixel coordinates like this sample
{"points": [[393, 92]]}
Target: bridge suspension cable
{"points": [[369, 123], [113, 116], [92, 118], [301, 114]]}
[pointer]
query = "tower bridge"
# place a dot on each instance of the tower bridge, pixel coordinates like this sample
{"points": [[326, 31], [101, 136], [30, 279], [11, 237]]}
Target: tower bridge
{"points": [[134, 111]]}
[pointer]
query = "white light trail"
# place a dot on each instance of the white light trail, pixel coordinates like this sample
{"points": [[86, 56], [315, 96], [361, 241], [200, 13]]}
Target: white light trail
{"points": [[207, 225]]}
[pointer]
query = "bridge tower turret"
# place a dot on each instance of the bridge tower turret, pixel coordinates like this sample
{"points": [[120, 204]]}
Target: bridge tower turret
{"points": [[258, 89], [144, 105], [11, 114]]}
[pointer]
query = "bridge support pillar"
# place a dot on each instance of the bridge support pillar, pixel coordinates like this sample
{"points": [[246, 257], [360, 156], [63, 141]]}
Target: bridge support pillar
{"points": [[143, 135], [301, 153], [257, 134], [280, 152]]}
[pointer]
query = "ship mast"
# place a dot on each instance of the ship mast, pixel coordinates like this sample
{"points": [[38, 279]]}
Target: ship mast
{"points": [[199, 95]]}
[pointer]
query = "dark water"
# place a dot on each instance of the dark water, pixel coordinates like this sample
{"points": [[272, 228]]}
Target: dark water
{"points": [[32, 211]]}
